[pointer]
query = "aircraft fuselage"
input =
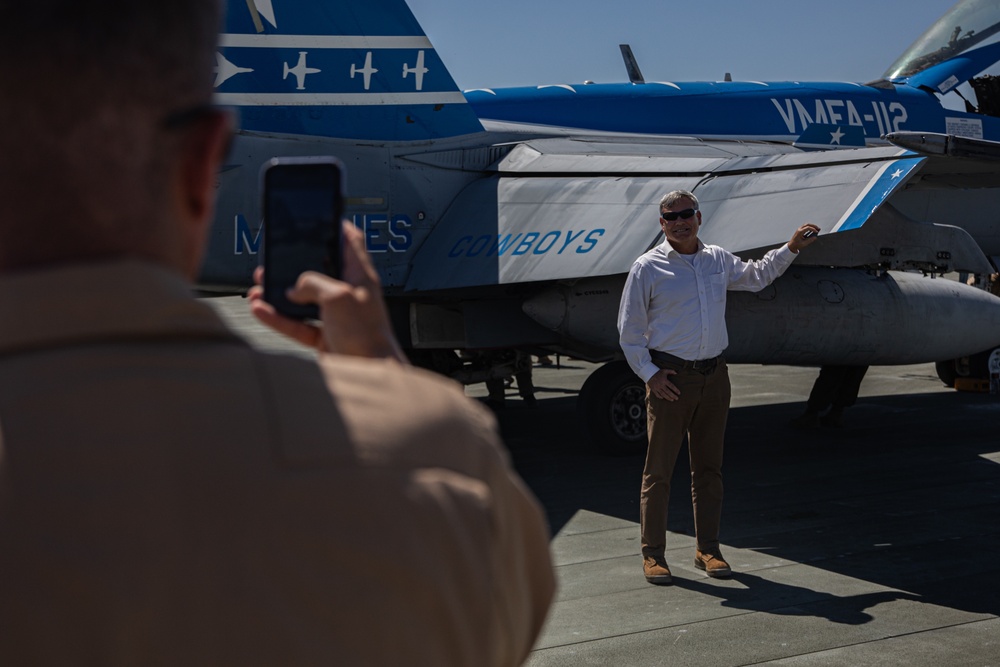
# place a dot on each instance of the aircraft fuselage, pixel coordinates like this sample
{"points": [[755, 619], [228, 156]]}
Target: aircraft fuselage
{"points": [[840, 114]]}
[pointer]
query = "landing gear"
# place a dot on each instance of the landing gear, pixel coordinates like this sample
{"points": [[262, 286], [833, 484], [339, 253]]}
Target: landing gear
{"points": [[976, 366], [947, 372], [612, 406]]}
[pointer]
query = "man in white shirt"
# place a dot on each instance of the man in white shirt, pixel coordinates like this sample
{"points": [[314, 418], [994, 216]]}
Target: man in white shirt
{"points": [[673, 332]]}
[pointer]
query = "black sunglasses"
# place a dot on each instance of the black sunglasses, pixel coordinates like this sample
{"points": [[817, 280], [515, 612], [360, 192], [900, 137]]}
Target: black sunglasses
{"points": [[183, 117], [670, 216]]}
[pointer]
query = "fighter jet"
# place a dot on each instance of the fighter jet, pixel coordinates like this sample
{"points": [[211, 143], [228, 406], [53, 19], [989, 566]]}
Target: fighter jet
{"points": [[492, 236]]}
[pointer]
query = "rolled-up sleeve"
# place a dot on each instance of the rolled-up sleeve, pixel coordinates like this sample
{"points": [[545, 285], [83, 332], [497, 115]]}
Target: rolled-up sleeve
{"points": [[757, 274]]}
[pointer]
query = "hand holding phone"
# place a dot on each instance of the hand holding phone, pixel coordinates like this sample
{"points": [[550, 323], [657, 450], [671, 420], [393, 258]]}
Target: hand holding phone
{"points": [[302, 210], [355, 320]]}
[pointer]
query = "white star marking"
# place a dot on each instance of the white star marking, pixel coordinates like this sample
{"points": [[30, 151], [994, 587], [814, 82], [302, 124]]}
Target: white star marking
{"points": [[896, 174], [835, 137]]}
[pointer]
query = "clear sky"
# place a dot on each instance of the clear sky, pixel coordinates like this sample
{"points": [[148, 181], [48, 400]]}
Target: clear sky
{"points": [[496, 43]]}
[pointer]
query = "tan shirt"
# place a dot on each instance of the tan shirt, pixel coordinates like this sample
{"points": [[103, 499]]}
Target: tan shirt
{"points": [[171, 496]]}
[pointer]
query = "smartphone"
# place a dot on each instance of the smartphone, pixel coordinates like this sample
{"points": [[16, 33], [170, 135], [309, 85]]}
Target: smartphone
{"points": [[808, 234], [303, 206]]}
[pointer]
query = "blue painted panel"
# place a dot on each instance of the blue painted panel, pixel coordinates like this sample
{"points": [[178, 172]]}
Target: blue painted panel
{"points": [[890, 176], [270, 70], [946, 76], [768, 111], [305, 17], [366, 71]]}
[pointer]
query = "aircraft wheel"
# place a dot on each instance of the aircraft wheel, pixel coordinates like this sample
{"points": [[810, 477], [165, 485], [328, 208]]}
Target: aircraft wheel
{"points": [[979, 364], [612, 405], [976, 366], [946, 371]]}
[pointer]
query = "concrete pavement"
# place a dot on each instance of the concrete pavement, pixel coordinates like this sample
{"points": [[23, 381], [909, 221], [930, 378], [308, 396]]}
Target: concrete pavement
{"points": [[874, 544]]}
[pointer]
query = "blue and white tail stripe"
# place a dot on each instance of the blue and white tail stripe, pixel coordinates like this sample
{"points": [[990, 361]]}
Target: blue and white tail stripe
{"points": [[886, 180], [366, 71]]}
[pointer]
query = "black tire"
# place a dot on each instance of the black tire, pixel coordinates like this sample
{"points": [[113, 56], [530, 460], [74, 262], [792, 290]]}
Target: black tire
{"points": [[979, 365], [975, 366], [946, 371], [612, 406]]}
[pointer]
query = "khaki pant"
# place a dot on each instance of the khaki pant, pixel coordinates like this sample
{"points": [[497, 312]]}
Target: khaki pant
{"points": [[700, 413]]}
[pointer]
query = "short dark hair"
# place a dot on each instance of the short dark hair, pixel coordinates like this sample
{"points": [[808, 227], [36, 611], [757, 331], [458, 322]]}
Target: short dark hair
{"points": [[148, 51], [86, 86]]}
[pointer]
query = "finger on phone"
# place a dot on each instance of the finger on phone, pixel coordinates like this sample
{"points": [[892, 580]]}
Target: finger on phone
{"points": [[299, 331], [358, 267]]}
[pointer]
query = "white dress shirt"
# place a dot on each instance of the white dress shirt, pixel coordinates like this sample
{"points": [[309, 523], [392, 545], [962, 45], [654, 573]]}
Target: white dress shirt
{"points": [[677, 303]]}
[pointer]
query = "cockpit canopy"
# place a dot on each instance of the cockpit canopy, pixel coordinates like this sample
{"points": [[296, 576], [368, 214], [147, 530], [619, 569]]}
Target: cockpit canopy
{"points": [[965, 31]]}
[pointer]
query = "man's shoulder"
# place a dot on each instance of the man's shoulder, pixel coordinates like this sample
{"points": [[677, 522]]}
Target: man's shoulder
{"points": [[653, 255], [413, 414], [391, 378], [393, 413]]}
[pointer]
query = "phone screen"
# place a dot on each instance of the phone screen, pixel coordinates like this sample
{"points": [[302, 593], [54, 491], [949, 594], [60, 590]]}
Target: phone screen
{"points": [[303, 205]]}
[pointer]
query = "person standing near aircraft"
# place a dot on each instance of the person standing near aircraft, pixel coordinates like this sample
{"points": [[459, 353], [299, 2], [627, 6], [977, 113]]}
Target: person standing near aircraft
{"points": [[672, 330], [836, 387], [497, 387], [169, 494]]}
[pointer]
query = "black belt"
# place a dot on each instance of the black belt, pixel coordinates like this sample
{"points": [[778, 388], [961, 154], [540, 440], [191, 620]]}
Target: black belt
{"points": [[669, 360]]}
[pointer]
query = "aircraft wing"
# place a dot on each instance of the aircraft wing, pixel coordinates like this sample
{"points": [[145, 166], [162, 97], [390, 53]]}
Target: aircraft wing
{"points": [[564, 208]]}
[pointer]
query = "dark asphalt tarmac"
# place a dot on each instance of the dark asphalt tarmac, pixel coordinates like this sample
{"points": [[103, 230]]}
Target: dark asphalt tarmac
{"points": [[874, 544]]}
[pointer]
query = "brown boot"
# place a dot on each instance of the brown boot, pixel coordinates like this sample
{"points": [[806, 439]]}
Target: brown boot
{"points": [[712, 563], [656, 570]]}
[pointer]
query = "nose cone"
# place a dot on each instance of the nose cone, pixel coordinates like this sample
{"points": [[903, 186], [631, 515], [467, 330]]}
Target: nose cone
{"points": [[586, 312], [950, 318], [548, 308]]}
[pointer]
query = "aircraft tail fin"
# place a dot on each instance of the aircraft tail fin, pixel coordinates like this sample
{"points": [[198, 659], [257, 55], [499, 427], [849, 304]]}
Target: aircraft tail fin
{"points": [[358, 69], [631, 64]]}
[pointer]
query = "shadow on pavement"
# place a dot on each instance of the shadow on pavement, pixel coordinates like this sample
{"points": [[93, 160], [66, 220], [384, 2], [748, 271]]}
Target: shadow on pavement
{"points": [[905, 495]]}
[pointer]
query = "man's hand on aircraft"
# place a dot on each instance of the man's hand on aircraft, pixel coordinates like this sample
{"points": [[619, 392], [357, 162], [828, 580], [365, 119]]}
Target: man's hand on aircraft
{"points": [[353, 316], [661, 386], [803, 236]]}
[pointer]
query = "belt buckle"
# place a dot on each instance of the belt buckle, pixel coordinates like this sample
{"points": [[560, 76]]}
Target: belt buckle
{"points": [[705, 365]]}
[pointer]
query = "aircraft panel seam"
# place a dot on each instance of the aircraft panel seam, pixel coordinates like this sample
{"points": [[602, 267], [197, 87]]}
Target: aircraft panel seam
{"points": [[690, 174], [322, 42], [338, 99]]}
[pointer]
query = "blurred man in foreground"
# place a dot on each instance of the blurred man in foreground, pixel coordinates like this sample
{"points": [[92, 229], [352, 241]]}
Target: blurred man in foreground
{"points": [[168, 494]]}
